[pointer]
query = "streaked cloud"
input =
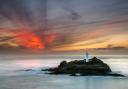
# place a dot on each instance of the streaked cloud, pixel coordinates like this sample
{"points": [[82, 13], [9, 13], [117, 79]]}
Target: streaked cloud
{"points": [[64, 24]]}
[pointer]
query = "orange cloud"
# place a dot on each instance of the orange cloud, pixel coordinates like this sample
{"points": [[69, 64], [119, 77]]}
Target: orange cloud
{"points": [[115, 40]]}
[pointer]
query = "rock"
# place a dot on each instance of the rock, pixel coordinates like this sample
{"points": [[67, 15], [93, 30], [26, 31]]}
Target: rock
{"points": [[94, 67], [115, 74], [62, 64], [28, 70]]}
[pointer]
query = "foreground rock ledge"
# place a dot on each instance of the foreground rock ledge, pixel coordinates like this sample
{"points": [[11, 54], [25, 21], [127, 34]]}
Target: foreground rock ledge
{"points": [[78, 67]]}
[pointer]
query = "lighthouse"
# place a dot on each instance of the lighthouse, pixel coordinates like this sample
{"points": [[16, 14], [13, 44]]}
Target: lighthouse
{"points": [[86, 57]]}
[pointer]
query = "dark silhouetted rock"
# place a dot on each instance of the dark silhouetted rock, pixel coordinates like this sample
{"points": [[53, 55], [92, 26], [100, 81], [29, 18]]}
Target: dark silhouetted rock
{"points": [[28, 70], [78, 67]]}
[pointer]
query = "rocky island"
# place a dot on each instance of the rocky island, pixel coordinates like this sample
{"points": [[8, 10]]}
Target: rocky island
{"points": [[79, 67]]}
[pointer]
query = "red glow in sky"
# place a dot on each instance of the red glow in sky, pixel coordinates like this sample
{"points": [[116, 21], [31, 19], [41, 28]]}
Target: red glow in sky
{"points": [[31, 40]]}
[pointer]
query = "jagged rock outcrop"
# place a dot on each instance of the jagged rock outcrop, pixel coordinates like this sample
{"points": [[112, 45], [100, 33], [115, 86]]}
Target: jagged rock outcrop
{"points": [[94, 67]]}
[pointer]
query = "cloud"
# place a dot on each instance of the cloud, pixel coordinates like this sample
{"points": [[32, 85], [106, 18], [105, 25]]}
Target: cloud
{"points": [[75, 24]]}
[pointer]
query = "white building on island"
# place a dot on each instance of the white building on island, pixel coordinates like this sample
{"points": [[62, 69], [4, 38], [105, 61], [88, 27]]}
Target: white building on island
{"points": [[86, 57]]}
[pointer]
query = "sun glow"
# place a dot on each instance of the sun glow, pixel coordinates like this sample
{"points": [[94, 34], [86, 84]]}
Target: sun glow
{"points": [[31, 40]]}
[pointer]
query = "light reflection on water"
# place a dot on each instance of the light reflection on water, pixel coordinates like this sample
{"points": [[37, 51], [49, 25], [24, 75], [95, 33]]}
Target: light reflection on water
{"points": [[62, 82]]}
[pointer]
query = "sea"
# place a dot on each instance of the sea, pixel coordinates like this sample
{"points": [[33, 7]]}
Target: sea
{"points": [[24, 72]]}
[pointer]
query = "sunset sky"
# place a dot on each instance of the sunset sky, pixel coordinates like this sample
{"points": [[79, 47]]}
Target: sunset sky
{"points": [[63, 25]]}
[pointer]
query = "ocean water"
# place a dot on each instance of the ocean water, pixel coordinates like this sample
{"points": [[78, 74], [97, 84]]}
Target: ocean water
{"points": [[14, 76]]}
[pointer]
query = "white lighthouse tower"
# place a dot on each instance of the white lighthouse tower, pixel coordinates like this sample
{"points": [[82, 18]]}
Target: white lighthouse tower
{"points": [[86, 57]]}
